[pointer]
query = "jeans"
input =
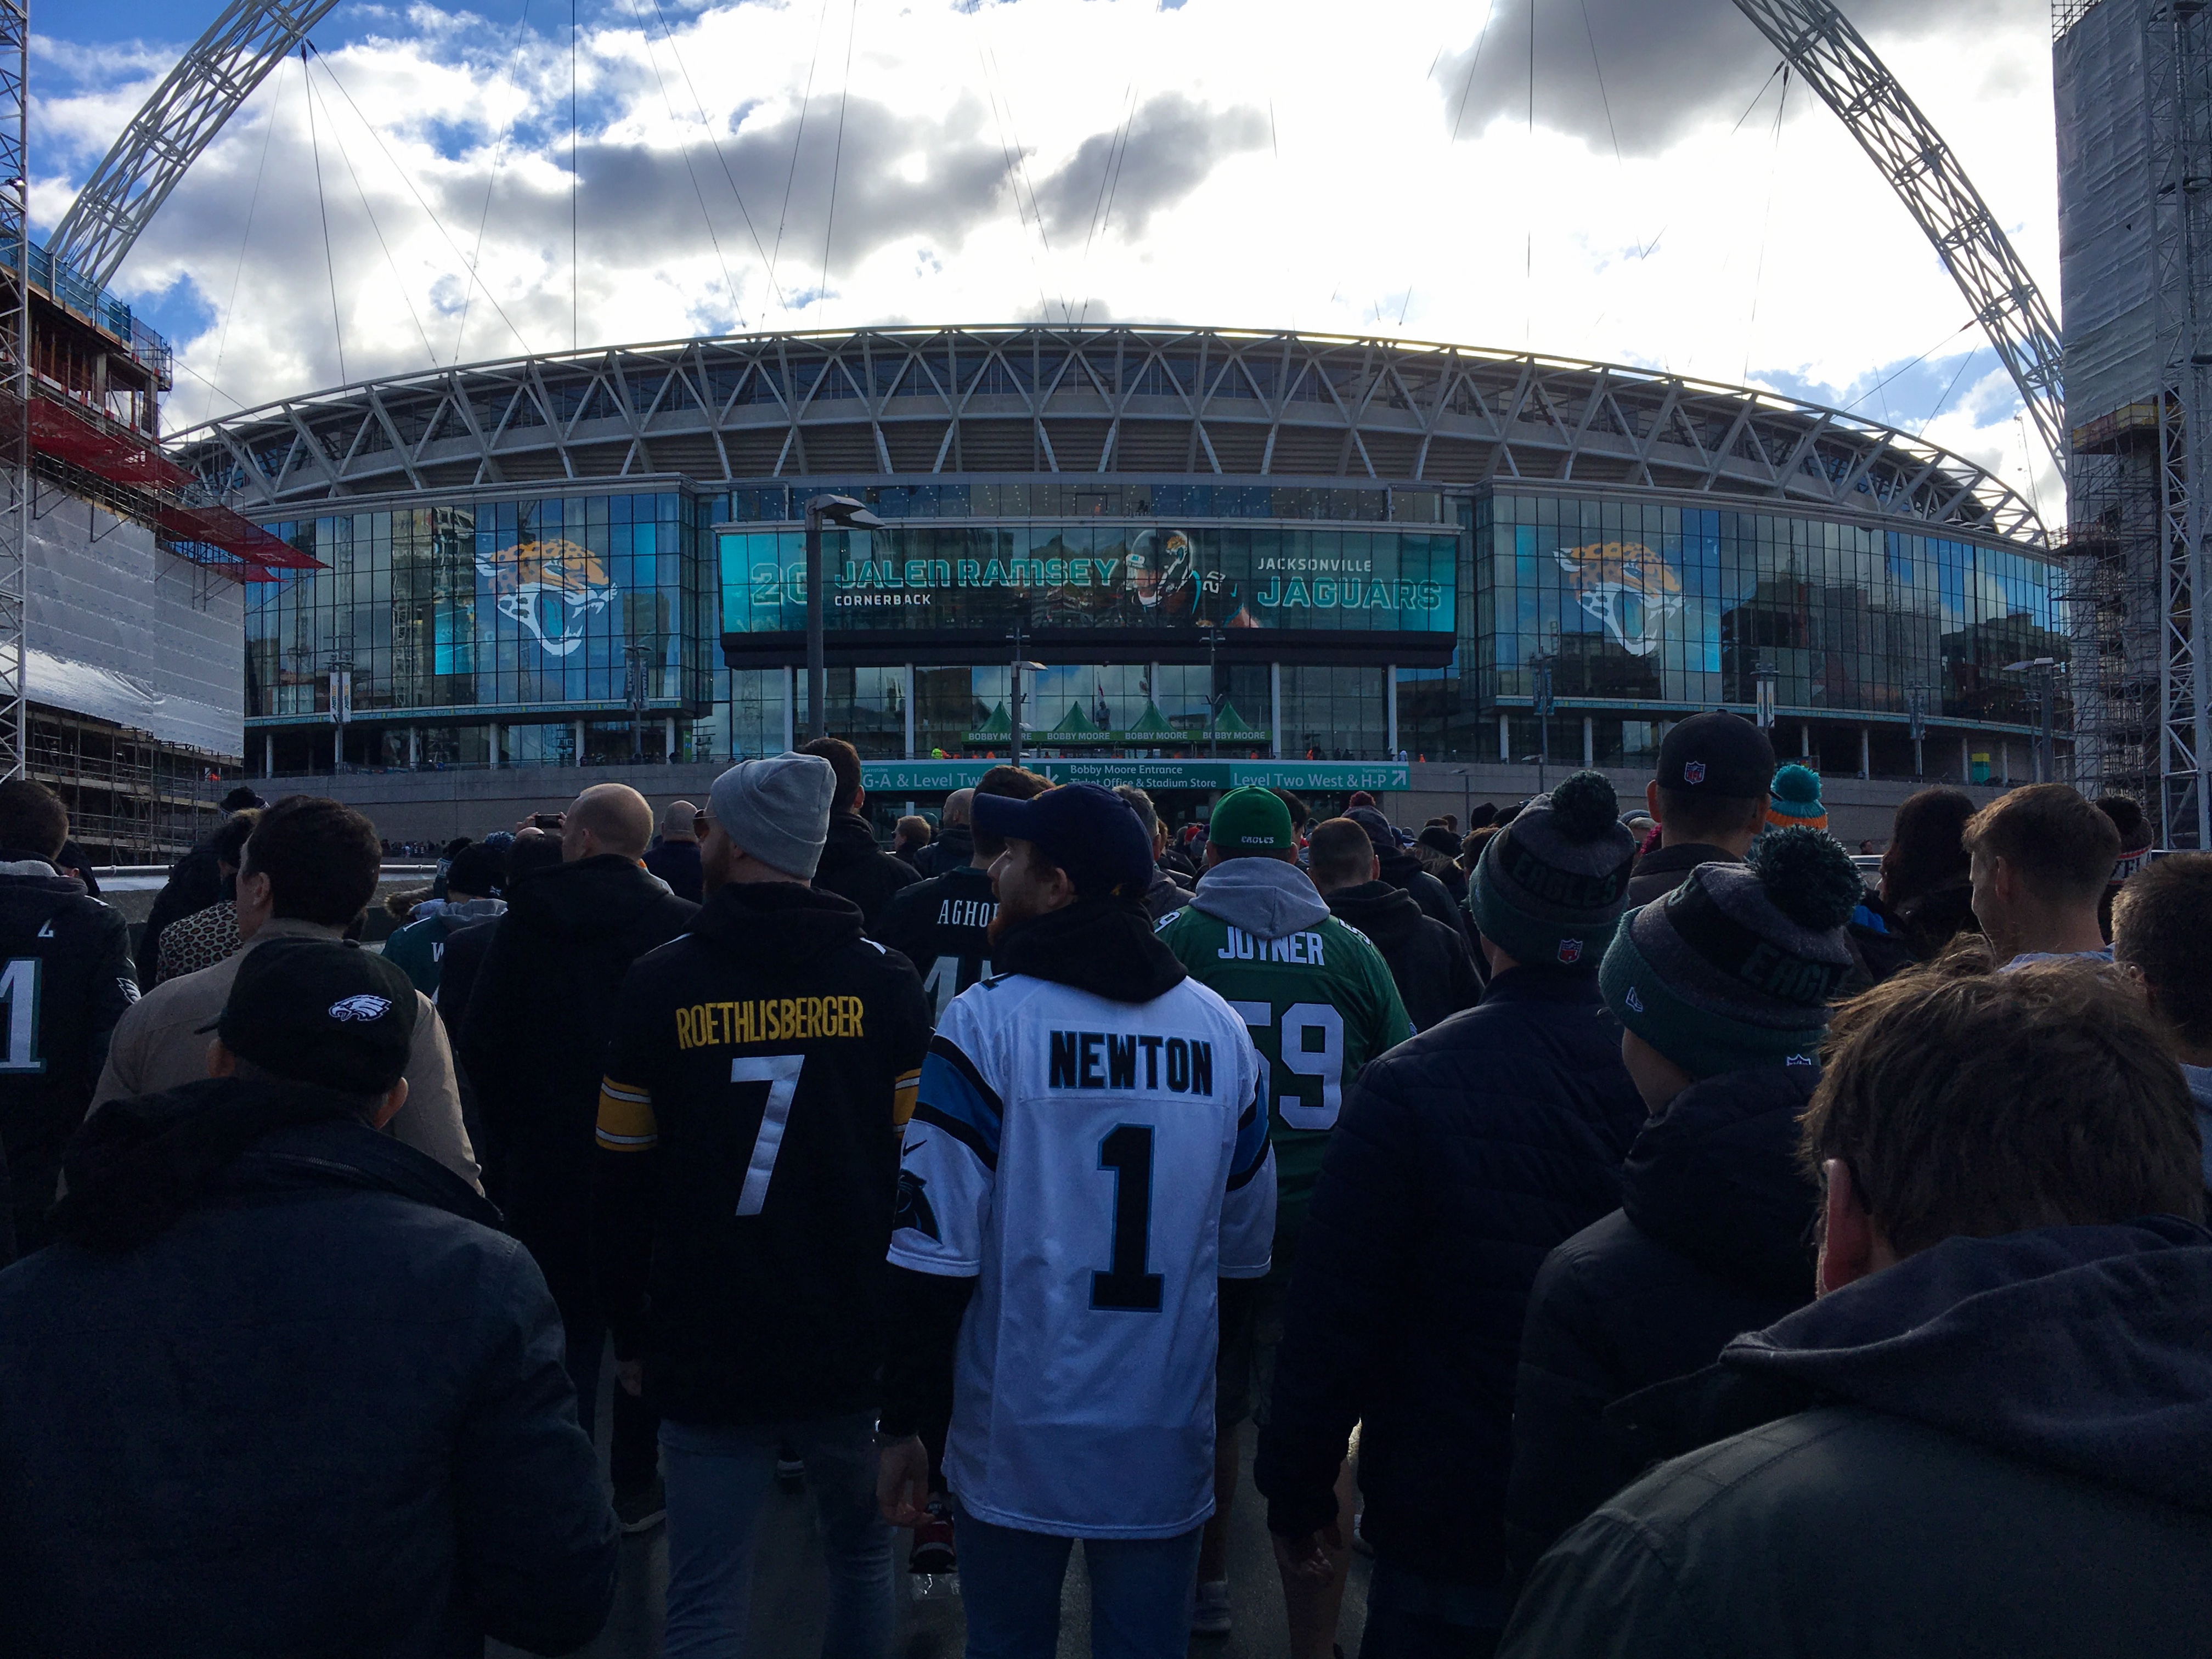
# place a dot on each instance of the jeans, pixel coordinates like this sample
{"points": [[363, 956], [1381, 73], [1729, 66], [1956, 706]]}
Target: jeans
{"points": [[1410, 1616], [718, 1477], [1010, 1580]]}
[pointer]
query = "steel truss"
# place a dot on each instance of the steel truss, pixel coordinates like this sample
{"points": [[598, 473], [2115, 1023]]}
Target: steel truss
{"points": [[166, 135], [2178, 64], [1821, 46], [16, 502]]}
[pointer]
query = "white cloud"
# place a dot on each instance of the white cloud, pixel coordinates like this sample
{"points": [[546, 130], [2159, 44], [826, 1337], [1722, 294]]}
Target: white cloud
{"points": [[1268, 165]]}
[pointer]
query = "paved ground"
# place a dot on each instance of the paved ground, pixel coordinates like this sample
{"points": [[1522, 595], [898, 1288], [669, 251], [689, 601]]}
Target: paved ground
{"points": [[790, 1586]]}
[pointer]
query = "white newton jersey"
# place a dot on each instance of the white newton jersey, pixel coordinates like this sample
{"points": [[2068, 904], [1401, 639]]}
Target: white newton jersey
{"points": [[1095, 1166]]}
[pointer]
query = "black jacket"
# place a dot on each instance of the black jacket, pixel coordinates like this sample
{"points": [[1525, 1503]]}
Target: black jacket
{"points": [[318, 1409], [854, 868], [752, 1298], [195, 881], [1663, 869], [1431, 963], [1403, 869], [676, 863], [1712, 1239], [68, 977], [535, 1038], [955, 846], [1465, 1155], [943, 927], [1998, 1447]]}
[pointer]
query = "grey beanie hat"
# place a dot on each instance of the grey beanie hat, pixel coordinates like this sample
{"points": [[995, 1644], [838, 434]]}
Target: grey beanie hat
{"points": [[1737, 966], [1551, 886], [777, 810]]}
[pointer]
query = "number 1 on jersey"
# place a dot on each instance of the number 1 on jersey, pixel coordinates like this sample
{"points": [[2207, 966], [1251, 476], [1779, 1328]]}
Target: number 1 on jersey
{"points": [[780, 1073], [19, 989], [1125, 1286]]}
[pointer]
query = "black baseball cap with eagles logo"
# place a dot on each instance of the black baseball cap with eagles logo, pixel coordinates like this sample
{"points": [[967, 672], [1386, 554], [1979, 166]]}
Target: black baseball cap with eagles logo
{"points": [[323, 1011], [1719, 754]]}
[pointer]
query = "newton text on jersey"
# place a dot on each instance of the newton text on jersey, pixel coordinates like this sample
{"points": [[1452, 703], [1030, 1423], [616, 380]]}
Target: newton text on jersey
{"points": [[1110, 1060], [1305, 949], [772, 1019]]}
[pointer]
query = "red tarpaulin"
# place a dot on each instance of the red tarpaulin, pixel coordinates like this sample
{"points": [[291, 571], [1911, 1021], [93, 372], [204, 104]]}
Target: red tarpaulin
{"points": [[83, 440]]}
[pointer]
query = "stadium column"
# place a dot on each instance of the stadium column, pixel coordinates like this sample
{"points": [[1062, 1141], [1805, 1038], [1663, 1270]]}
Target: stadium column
{"points": [[1275, 711], [1390, 710], [414, 746], [789, 722], [906, 696], [1966, 759], [268, 754], [1590, 740], [495, 758], [668, 739], [1504, 738], [1866, 752], [576, 741]]}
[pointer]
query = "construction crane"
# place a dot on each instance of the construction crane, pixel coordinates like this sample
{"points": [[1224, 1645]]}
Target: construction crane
{"points": [[165, 137], [1819, 44]]}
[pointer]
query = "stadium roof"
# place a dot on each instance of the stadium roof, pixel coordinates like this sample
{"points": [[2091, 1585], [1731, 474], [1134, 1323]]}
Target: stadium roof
{"points": [[1114, 400]]}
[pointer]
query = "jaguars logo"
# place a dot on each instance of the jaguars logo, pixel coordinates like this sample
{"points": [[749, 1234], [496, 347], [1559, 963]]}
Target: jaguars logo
{"points": [[552, 588], [1627, 586]]}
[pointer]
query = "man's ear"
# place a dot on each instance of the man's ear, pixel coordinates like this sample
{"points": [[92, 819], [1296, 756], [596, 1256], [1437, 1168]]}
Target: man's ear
{"points": [[1848, 1249], [1651, 800], [394, 1099], [221, 1062]]}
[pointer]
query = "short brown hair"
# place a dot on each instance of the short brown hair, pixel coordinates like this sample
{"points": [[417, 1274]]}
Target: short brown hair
{"points": [[32, 818], [1339, 853], [322, 860], [844, 761], [1969, 1103], [915, 828], [2163, 925], [2063, 845], [1708, 818], [1015, 783]]}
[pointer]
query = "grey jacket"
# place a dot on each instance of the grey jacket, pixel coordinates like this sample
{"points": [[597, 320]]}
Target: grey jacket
{"points": [[1266, 897]]}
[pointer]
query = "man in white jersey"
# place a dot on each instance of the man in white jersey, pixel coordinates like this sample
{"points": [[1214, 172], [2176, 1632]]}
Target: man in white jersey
{"points": [[1087, 1156]]}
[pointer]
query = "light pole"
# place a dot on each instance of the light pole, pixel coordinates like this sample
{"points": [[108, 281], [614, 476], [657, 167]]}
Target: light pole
{"points": [[1763, 679], [1213, 688], [636, 659], [847, 513], [341, 708], [1014, 693], [1915, 711], [2043, 686], [1466, 798], [1541, 699]]}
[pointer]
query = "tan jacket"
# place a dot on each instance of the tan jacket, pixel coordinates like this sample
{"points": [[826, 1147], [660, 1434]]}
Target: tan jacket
{"points": [[158, 1044]]}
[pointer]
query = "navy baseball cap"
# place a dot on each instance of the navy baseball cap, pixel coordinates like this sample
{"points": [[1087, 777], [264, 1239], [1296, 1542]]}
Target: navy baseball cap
{"points": [[1090, 832]]}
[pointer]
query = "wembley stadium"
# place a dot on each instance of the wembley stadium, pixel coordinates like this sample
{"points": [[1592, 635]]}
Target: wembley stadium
{"points": [[1259, 544]]}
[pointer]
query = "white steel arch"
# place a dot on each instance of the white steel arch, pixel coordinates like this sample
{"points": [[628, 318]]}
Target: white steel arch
{"points": [[1821, 45], [186, 111]]}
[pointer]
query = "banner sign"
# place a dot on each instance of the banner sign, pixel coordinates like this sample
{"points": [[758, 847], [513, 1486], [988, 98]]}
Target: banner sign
{"points": [[923, 777], [924, 577]]}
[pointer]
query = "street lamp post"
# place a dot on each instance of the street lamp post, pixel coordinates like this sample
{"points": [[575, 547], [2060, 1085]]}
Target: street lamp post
{"points": [[1764, 676], [1212, 689], [1916, 709], [2043, 686], [1014, 693], [1540, 698], [635, 658], [847, 513], [341, 708]]}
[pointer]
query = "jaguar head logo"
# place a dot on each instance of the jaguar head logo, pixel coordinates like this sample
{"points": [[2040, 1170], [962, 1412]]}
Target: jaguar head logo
{"points": [[1627, 586], [552, 588]]}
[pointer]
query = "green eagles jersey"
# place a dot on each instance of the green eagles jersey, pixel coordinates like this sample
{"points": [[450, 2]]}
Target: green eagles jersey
{"points": [[1320, 1004]]}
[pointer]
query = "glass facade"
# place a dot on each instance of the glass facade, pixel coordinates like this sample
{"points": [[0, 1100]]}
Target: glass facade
{"points": [[511, 629]]}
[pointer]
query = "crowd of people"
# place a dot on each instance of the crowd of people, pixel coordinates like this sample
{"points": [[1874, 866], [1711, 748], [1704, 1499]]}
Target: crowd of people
{"points": [[1637, 1228]]}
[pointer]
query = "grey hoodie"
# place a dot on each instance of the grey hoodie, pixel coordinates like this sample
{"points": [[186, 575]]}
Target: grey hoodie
{"points": [[1264, 897]]}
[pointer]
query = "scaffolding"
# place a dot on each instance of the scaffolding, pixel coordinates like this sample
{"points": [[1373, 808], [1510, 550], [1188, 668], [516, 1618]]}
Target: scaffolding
{"points": [[2113, 601]]}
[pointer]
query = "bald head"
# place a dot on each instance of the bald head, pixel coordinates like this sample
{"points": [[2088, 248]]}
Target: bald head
{"points": [[608, 817], [680, 822], [957, 806]]}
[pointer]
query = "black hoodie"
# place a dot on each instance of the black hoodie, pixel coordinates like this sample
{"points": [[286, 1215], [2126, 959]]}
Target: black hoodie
{"points": [[1431, 962], [756, 1297], [1999, 1446], [535, 1037], [1712, 1239], [854, 868]]}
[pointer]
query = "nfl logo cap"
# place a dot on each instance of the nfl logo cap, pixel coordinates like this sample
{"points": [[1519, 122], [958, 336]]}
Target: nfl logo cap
{"points": [[1717, 754], [318, 1011], [1090, 832]]}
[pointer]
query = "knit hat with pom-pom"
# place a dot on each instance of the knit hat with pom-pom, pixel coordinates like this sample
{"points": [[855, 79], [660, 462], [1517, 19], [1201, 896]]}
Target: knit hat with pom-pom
{"points": [[1551, 886], [1793, 801], [1736, 967]]}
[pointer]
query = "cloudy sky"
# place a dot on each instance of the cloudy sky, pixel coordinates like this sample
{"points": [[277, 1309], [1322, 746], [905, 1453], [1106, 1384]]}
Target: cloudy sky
{"points": [[1651, 191]]}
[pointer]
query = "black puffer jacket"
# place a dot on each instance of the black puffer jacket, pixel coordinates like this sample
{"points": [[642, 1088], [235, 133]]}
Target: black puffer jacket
{"points": [[1465, 1154], [854, 868], [1431, 963], [535, 1038], [1403, 870], [1712, 1239]]}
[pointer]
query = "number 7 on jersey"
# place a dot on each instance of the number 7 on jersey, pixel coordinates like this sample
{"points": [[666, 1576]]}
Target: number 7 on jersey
{"points": [[780, 1073]]}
